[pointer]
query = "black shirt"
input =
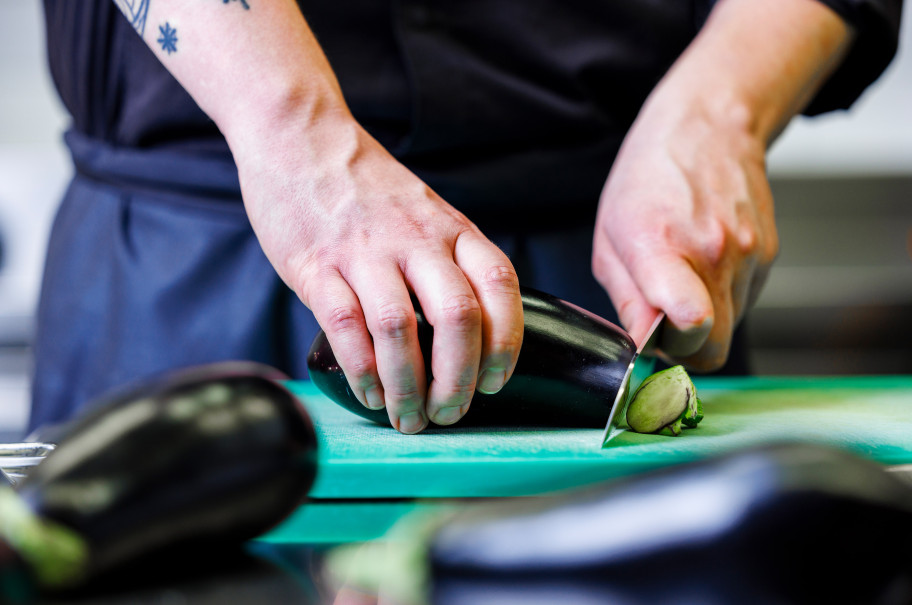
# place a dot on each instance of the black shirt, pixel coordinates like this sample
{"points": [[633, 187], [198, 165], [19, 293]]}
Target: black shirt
{"points": [[496, 104]]}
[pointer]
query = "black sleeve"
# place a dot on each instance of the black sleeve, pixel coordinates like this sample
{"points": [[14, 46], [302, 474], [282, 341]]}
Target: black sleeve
{"points": [[876, 25]]}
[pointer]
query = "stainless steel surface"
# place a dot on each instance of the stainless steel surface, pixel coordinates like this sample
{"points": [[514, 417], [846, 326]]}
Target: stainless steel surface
{"points": [[641, 366], [17, 459]]}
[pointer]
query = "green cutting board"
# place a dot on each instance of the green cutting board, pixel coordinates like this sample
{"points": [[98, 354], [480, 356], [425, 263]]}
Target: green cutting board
{"points": [[871, 416]]}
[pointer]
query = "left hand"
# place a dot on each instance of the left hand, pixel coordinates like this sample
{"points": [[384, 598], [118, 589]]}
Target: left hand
{"points": [[685, 225]]}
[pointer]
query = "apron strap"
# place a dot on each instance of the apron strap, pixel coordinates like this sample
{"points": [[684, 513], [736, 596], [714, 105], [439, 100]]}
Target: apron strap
{"points": [[155, 170]]}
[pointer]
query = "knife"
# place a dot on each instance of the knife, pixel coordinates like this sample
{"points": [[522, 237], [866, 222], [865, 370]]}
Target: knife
{"points": [[641, 367]]}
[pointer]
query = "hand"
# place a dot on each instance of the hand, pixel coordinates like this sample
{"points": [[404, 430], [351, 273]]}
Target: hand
{"points": [[685, 225], [348, 228], [685, 222], [354, 234]]}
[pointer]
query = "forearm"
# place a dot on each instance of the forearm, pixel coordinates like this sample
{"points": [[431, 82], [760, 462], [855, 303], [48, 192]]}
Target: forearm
{"points": [[351, 230], [250, 65], [757, 63]]}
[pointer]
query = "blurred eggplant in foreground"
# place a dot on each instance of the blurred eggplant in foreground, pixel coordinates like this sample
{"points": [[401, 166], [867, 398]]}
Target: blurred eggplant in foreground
{"points": [[194, 460], [792, 523], [785, 524], [570, 368]]}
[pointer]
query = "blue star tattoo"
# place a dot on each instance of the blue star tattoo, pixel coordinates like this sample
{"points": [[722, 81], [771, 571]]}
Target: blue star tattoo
{"points": [[243, 3], [168, 38]]}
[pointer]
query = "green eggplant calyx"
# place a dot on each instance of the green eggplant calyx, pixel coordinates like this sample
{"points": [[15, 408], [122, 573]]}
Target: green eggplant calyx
{"points": [[671, 430], [56, 556], [666, 403], [693, 415]]}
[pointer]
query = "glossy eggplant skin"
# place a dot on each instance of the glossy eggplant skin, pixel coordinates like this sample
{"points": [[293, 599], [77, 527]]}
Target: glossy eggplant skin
{"points": [[784, 523], [570, 368], [195, 459]]}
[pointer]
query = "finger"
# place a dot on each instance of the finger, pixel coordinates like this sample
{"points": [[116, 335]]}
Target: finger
{"points": [[391, 321], [339, 313], [766, 256], [741, 288], [724, 286], [756, 287], [669, 282], [635, 313], [496, 286], [450, 306], [714, 352]]}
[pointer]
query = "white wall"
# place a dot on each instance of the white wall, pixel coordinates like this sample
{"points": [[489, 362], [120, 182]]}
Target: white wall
{"points": [[33, 165], [873, 137]]}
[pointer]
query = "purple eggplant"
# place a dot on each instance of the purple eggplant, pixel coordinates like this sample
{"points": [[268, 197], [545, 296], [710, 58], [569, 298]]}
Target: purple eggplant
{"points": [[785, 523], [570, 368], [194, 461], [790, 523]]}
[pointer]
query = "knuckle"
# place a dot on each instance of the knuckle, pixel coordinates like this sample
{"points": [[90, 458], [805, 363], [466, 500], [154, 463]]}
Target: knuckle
{"points": [[461, 310], [343, 318], [318, 264], [404, 397], [510, 342], [714, 243], [394, 321], [501, 278], [626, 310], [748, 240], [361, 369], [324, 255], [464, 382], [461, 390]]}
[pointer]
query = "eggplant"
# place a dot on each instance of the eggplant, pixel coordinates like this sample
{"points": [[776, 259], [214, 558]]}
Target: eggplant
{"points": [[194, 461], [666, 403], [787, 523], [570, 368]]}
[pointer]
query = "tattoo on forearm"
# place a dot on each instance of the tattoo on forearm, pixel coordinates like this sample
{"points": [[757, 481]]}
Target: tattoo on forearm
{"points": [[168, 38], [135, 11]]}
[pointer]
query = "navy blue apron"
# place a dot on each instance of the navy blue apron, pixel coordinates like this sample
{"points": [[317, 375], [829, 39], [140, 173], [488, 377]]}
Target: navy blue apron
{"points": [[152, 265]]}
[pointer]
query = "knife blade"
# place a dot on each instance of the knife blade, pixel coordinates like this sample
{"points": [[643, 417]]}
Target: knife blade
{"points": [[641, 366]]}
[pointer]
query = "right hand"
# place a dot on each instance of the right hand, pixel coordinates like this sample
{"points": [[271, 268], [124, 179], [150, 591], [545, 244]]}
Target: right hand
{"points": [[354, 233]]}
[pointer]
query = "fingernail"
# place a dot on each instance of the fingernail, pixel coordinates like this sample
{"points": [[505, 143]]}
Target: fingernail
{"points": [[682, 343], [448, 415], [412, 422], [491, 380], [374, 398]]}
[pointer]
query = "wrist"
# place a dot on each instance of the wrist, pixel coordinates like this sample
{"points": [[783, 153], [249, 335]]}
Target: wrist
{"points": [[283, 112], [756, 63], [686, 107]]}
